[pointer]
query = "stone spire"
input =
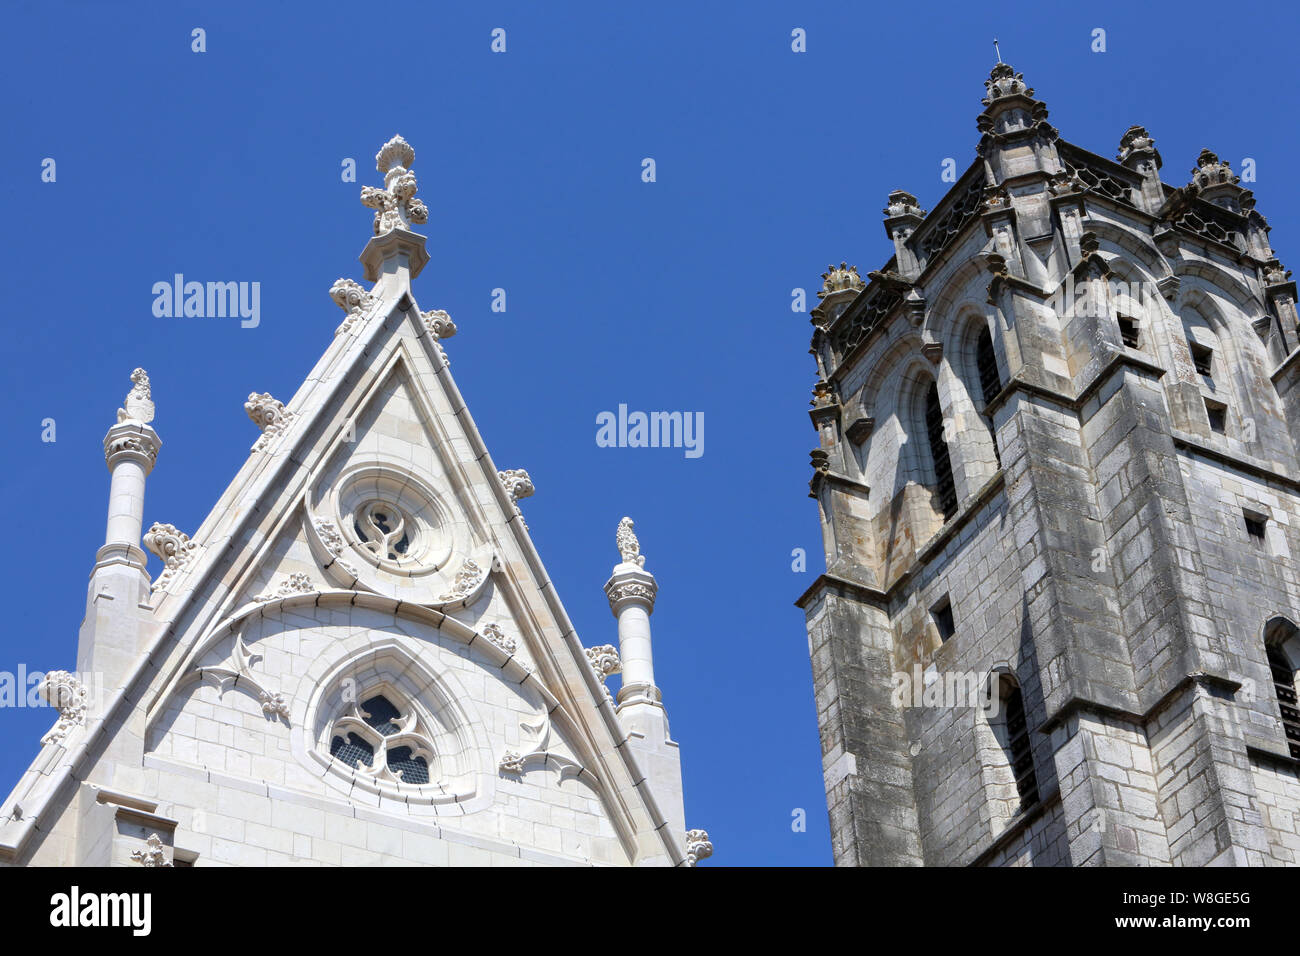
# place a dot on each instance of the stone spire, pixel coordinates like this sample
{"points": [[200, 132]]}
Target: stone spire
{"points": [[395, 249]]}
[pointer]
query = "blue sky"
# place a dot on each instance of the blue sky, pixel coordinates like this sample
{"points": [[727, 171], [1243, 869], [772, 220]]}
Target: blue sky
{"points": [[672, 295]]}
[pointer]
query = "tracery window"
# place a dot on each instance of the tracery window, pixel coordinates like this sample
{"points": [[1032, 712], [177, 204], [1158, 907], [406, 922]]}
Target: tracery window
{"points": [[383, 740]]}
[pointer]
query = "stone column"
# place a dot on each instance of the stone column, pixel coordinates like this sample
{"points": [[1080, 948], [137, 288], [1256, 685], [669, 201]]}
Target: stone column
{"points": [[130, 450], [631, 591], [112, 632]]}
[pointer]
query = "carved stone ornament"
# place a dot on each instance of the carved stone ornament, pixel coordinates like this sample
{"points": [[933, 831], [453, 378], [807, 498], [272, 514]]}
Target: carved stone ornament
{"points": [[902, 203], [67, 693], [138, 404], [698, 846], [518, 485], [134, 444], [497, 636], [395, 204], [604, 661], [1210, 171], [268, 414], [237, 671], [512, 762], [352, 298], [841, 278], [438, 323], [175, 549], [334, 543], [629, 548], [1137, 142], [468, 578], [153, 854], [299, 583], [1004, 81]]}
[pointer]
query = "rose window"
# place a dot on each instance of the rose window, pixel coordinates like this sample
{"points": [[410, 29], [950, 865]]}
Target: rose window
{"points": [[378, 739], [383, 530]]}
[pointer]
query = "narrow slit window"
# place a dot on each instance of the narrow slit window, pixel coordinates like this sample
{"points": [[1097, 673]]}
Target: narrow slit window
{"points": [[943, 619], [987, 362]]}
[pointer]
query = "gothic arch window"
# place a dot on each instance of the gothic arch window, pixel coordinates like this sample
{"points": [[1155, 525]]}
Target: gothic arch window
{"points": [[1281, 642], [1014, 738], [382, 739], [986, 365], [945, 486]]}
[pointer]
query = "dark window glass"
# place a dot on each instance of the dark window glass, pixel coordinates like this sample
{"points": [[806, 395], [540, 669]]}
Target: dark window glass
{"points": [[947, 488]]}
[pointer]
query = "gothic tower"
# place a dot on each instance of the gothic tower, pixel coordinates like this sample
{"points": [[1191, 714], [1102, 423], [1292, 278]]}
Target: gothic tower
{"points": [[358, 658], [1057, 478]]}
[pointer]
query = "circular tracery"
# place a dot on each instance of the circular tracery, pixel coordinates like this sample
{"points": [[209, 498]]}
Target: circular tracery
{"points": [[392, 518]]}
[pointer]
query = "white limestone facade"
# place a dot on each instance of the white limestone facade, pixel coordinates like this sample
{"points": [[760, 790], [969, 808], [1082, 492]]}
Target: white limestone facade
{"points": [[358, 658]]}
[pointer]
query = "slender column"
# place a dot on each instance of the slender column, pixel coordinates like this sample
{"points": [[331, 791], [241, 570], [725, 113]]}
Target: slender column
{"points": [[631, 591]]}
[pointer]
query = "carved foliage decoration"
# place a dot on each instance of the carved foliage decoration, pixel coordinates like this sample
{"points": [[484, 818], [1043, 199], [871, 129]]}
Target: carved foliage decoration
{"points": [[352, 298], [237, 670], [298, 583], [497, 636], [68, 694], [604, 661], [698, 846], [153, 854], [268, 414], [395, 204], [175, 549], [468, 579]]}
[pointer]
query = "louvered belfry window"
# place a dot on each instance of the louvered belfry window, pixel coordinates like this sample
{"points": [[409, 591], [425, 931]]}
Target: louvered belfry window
{"points": [[990, 381], [1018, 750], [946, 488], [1284, 687]]}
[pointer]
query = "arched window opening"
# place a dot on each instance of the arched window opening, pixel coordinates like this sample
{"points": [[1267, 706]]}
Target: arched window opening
{"points": [[987, 362], [1284, 690], [1019, 753], [945, 487]]}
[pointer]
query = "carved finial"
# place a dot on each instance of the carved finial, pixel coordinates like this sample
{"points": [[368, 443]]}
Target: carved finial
{"points": [[138, 405], [395, 204], [1137, 142], [1004, 81], [629, 548], [902, 203], [1210, 171], [841, 278]]}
